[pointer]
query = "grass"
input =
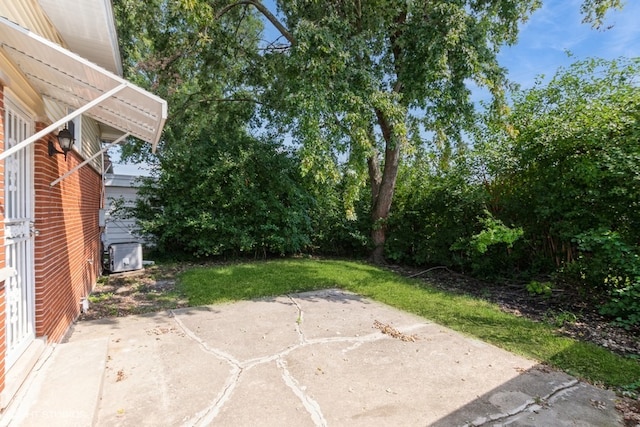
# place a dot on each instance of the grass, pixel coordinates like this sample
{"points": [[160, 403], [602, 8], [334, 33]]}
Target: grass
{"points": [[100, 297], [470, 316]]}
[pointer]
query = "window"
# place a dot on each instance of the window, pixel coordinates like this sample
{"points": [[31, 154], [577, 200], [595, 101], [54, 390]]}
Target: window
{"points": [[75, 127]]}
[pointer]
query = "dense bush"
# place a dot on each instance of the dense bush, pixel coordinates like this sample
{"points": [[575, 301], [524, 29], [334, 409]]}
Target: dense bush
{"points": [[442, 217], [227, 195], [553, 188], [432, 211], [570, 176], [233, 195], [333, 232]]}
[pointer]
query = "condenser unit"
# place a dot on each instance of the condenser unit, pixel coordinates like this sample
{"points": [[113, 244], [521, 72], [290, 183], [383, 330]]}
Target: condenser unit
{"points": [[125, 257]]}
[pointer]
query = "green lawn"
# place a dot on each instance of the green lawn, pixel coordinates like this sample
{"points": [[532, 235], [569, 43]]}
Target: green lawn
{"points": [[470, 316]]}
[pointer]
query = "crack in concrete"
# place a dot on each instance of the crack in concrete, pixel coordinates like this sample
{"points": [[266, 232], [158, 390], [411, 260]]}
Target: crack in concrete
{"points": [[218, 353], [299, 319], [208, 414], [312, 407], [529, 405]]}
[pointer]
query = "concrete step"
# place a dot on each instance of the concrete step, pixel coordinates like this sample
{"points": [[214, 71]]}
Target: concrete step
{"points": [[20, 371], [63, 389]]}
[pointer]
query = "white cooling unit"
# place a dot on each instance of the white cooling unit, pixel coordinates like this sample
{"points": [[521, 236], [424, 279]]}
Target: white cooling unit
{"points": [[125, 257]]}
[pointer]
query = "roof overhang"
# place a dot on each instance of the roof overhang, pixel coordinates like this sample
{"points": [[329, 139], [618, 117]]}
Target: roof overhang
{"points": [[71, 80], [89, 30]]}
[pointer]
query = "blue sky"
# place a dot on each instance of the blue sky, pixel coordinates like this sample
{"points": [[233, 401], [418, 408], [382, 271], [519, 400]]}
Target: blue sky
{"points": [[552, 31], [556, 28]]}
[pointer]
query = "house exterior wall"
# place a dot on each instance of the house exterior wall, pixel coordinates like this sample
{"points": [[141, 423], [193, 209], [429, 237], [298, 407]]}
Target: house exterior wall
{"points": [[87, 136], [67, 259], [66, 231], [67, 249], [91, 142]]}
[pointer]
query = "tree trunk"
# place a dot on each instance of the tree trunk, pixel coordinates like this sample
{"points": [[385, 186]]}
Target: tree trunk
{"points": [[382, 188], [377, 254]]}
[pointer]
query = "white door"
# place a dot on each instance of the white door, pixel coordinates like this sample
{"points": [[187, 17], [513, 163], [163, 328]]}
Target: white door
{"points": [[18, 234]]}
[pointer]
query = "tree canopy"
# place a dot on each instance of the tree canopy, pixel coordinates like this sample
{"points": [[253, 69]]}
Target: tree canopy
{"points": [[356, 85]]}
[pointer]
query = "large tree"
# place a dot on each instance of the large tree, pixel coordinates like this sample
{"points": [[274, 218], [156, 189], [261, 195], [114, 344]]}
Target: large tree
{"points": [[363, 81], [356, 83]]}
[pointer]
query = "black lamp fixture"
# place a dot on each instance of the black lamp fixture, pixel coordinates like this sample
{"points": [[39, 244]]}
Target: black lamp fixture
{"points": [[65, 140]]}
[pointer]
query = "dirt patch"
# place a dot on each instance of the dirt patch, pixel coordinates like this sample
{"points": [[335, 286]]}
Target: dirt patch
{"points": [[630, 410], [146, 291]]}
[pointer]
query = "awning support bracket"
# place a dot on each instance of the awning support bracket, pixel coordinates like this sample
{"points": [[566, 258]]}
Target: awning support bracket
{"points": [[62, 121], [116, 142]]}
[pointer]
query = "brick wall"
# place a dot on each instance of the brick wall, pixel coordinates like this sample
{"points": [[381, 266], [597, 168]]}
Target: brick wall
{"points": [[67, 250]]}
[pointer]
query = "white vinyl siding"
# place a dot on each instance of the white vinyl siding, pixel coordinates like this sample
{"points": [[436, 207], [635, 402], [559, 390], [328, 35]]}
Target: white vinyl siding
{"points": [[91, 141], [120, 230], [26, 15]]}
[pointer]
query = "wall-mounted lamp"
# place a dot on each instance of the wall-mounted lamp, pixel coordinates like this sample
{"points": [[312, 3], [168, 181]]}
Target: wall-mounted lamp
{"points": [[65, 140]]}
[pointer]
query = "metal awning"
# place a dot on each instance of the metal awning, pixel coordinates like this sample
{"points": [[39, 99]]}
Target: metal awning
{"points": [[83, 86]]}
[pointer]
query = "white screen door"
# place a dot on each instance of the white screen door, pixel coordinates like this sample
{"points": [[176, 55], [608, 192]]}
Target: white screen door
{"points": [[18, 234]]}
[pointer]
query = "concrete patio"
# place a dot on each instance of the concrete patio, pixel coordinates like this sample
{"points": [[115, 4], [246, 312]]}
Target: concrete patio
{"points": [[327, 358]]}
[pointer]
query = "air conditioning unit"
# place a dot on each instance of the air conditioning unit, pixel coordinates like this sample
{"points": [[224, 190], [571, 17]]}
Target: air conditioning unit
{"points": [[125, 257]]}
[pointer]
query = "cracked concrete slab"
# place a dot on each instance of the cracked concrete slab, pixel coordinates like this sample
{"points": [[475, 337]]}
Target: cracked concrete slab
{"points": [[539, 397], [263, 389], [327, 358]]}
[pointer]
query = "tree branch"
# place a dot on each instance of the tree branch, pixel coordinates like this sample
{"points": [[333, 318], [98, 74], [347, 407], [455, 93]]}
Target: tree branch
{"points": [[251, 100], [397, 51], [262, 9]]}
